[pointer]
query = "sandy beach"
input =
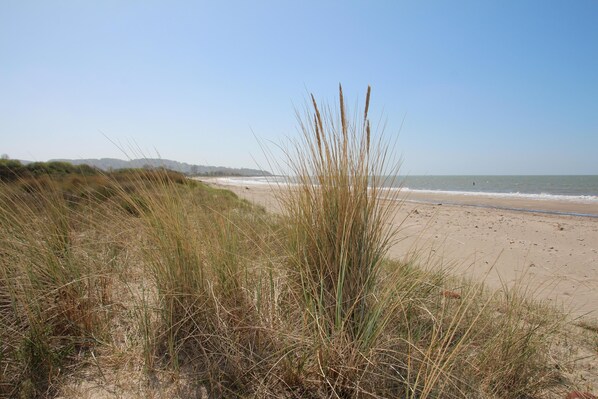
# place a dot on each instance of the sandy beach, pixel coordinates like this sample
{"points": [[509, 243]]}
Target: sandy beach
{"points": [[504, 241]]}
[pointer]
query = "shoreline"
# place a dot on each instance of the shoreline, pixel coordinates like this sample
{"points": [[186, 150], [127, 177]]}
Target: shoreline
{"points": [[542, 246], [504, 208], [544, 206], [567, 205]]}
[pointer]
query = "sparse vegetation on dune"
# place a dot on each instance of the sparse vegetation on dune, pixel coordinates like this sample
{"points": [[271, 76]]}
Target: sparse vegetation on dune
{"points": [[145, 284]]}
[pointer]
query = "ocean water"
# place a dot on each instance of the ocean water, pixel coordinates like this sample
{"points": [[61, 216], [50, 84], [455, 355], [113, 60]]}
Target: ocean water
{"points": [[583, 188], [565, 188]]}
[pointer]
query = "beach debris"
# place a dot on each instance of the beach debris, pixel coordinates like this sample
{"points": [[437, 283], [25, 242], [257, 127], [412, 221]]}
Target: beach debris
{"points": [[580, 395], [451, 294]]}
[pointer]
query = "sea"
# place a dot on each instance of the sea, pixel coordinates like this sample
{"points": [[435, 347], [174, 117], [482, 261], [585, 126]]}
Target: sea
{"points": [[581, 189], [563, 195]]}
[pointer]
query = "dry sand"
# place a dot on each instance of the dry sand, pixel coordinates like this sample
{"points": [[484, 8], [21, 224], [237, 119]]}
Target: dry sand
{"points": [[554, 256]]}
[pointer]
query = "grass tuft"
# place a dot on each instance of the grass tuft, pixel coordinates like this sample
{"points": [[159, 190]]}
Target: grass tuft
{"points": [[338, 210]]}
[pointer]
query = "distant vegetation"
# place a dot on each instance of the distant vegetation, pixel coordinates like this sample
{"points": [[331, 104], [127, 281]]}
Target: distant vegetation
{"points": [[182, 167], [11, 170], [78, 182]]}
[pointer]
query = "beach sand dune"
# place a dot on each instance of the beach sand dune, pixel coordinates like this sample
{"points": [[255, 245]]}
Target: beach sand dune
{"points": [[504, 241]]}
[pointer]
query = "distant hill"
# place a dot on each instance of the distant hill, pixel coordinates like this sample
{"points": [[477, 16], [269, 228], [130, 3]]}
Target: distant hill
{"points": [[188, 169]]}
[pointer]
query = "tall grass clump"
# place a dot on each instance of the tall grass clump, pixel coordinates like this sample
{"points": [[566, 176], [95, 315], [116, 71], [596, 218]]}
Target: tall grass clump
{"points": [[200, 256], [172, 280], [338, 212], [176, 266], [54, 285], [337, 208]]}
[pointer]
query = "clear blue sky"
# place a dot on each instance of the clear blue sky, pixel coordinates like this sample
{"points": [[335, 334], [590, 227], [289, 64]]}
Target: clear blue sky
{"points": [[485, 87]]}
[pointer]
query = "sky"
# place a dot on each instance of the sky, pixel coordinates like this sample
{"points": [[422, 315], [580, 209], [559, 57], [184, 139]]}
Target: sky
{"points": [[463, 87]]}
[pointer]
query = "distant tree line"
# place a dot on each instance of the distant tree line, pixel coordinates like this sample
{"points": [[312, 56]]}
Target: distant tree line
{"points": [[216, 173], [11, 169]]}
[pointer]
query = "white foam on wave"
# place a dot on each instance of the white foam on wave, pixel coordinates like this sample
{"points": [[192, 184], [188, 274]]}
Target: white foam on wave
{"points": [[586, 199], [244, 181]]}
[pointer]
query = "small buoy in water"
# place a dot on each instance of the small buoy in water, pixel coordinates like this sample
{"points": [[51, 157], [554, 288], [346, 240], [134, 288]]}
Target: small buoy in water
{"points": [[474, 183]]}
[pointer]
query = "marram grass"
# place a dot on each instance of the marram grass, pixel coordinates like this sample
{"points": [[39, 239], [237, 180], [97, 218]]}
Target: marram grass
{"points": [[338, 213]]}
